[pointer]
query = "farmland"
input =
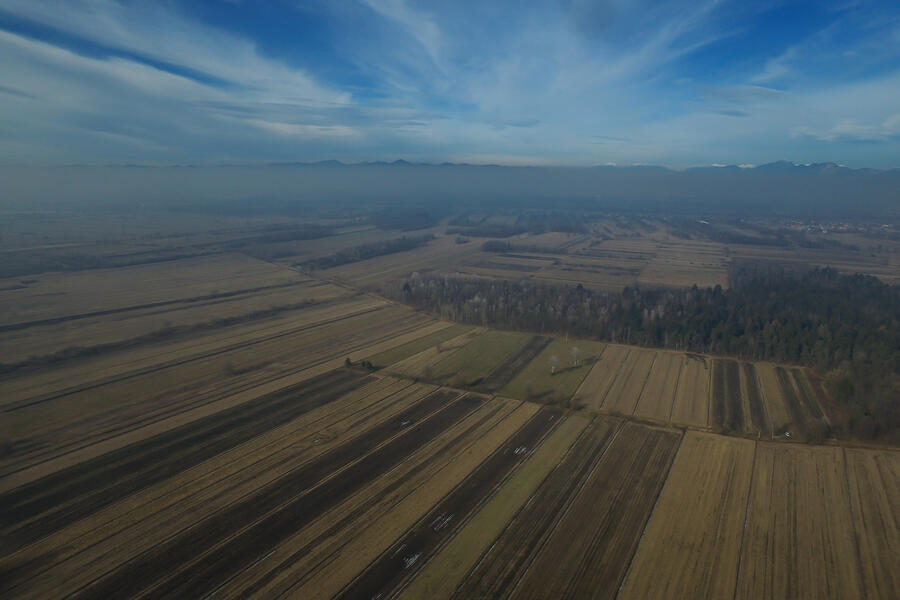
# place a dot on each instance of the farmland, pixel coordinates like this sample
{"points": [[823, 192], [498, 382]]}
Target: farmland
{"points": [[220, 425], [352, 484]]}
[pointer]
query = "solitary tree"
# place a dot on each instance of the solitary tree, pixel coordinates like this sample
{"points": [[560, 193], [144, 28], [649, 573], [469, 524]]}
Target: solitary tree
{"points": [[576, 355], [554, 362]]}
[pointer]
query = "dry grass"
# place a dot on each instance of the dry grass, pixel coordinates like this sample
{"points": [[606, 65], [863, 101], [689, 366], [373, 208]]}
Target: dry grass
{"points": [[379, 536], [596, 384], [799, 540], [659, 393], [361, 514], [776, 404], [874, 480], [692, 397], [440, 576], [422, 363], [691, 546], [626, 389]]}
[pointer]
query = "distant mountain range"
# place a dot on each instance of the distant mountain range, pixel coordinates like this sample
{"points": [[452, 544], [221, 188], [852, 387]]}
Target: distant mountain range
{"points": [[780, 166], [782, 187]]}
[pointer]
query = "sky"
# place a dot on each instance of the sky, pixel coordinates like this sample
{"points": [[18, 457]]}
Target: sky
{"points": [[674, 83]]}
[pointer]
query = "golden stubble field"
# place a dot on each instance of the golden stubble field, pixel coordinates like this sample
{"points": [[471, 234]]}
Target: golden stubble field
{"points": [[248, 460]]}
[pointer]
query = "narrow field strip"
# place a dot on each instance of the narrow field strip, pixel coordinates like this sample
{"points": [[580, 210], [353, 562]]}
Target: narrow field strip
{"points": [[352, 559], [799, 541], [590, 550], [447, 458], [394, 566], [727, 400], [129, 429], [701, 512], [500, 568], [184, 564], [102, 540], [48, 504], [440, 576], [758, 421], [874, 481], [438, 333], [691, 405], [592, 390], [626, 390], [657, 399]]}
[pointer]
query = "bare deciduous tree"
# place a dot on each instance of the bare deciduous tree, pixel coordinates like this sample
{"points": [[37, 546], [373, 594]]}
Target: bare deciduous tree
{"points": [[576, 355], [554, 362]]}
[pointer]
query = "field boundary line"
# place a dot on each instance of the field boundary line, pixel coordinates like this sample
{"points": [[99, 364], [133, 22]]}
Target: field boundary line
{"points": [[214, 398], [378, 418], [168, 364], [449, 493], [737, 576], [677, 383], [859, 563], [770, 420], [709, 391], [588, 374], [644, 385], [615, 378], [113, 311], [484, 500], [221, 542], [652, 512], [524, 505], [448, 445], [559, 519]]}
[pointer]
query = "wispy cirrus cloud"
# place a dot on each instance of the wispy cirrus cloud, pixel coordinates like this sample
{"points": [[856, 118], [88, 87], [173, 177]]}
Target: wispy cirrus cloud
{"points": [[574, 82]]}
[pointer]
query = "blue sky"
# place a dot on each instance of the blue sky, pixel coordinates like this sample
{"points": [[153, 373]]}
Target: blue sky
{"points": [[676, 83]]}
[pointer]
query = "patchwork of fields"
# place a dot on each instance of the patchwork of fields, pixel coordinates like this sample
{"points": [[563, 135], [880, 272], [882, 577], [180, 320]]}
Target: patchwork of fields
{"points": [[238, 455], [355, 485], [662, 386]]}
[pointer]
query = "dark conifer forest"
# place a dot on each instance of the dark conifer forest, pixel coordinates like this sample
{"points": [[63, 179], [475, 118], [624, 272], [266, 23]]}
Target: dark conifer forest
{"points": [[846, 327]]}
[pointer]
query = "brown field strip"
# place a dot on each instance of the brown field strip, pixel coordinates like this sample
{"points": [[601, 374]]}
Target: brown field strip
{"points": [[227, 395], [626, 389], [806, 393], [874, 480], [436, 334], [757, 420], [447, 458], [691, 405], [799, 540], [121, 288], [799, 413], [351, 560], [659, 393], [421, 363], [52, 502], [773, 394], [43, 384], [400, 561], [726, 400], [692, 543], [498, 571], [594, 388], [441, 575], [231, 539], [589, 551], [90, 415], [97, 544]]}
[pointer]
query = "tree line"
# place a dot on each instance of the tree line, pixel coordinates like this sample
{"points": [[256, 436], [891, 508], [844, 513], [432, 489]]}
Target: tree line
{"points": [[366, 251], [845, 326]]}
